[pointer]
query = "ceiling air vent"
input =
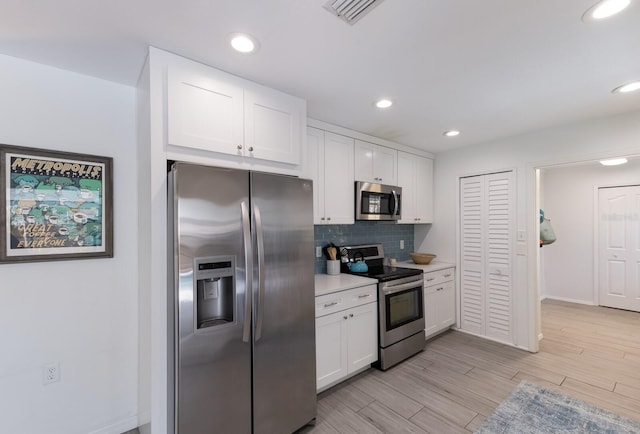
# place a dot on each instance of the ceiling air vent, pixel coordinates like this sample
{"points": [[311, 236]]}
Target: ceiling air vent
{"points": [[351, 10]]}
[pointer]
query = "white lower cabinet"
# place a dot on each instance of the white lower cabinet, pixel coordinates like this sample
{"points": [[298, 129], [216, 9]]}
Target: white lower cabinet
{"points": [[439, 301], [347, 339]]}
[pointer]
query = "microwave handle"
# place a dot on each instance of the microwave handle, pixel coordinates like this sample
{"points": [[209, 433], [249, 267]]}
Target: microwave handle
{"points": [[395, 203]]}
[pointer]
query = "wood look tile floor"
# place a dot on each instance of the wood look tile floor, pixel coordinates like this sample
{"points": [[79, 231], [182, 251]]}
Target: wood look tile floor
{"points": [[588, 352]]}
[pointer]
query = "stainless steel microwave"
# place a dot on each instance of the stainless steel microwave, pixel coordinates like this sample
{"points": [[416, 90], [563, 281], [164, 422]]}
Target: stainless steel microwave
{"points": [[378, 201]]}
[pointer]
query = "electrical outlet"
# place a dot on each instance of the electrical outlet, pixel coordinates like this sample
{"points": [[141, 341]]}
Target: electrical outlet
{"points": [[318, 252], [401, 244], [50, 373]]}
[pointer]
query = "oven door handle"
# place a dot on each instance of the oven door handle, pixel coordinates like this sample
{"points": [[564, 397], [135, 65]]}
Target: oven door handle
{"points": [[386, 290]]}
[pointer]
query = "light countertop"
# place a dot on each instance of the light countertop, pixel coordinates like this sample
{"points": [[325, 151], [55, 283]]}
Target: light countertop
{"points": [[326, 284], [435, 265]]}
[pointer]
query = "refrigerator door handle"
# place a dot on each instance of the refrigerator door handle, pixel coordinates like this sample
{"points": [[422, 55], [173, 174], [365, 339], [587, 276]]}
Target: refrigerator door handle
{"points": [[248, 260], [260, 247]]}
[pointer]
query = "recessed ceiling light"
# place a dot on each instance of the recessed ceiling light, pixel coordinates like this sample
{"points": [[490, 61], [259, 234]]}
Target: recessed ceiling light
{"points": [[243, 42], [613, 161], [605, 9], [629, 87], [451, 133], [384, 103]]}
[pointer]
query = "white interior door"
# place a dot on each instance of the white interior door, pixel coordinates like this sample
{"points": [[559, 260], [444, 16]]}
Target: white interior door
{"points": [[487, 225], [472, 252], [619, 247]]}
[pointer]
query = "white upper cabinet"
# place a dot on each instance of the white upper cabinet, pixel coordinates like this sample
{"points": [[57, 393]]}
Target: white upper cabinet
{"points": [[330, 166], [210, 110], [204, 111], [374, 163], [273, 125], [415, 176]]}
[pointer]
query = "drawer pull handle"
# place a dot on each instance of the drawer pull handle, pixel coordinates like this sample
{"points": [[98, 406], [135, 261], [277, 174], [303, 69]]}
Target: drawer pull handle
{"points": [[447, 275], [429, 280], [364, 296], [333, 303], [440, 289]]}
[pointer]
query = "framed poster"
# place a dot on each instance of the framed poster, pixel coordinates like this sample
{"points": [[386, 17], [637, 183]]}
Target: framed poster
{"points": [[57, 205]]}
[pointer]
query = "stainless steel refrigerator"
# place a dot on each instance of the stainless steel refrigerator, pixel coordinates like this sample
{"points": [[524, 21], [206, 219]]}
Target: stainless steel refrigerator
{"points": [[241, 301]]}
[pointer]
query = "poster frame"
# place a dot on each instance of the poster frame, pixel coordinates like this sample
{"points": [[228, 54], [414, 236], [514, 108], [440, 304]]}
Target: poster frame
{"points": [[72, 227]]}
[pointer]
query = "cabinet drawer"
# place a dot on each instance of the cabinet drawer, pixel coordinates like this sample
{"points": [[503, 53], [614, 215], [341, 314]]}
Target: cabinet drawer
{"points": [[437, 277], [337, 301]]}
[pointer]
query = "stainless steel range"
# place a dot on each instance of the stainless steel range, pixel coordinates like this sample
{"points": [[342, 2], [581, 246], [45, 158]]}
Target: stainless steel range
{"points": [[400, 303]]}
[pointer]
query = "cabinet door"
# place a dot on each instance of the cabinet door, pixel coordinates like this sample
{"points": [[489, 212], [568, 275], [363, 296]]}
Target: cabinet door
{"points": [[423, 185], [314, 169], [446, 305], [385, 165], [375, 163], [339, 201], [431, 307], [406, 180], [273, 125], [364, 161], [331, 349], [203, 110], [362, 336]]}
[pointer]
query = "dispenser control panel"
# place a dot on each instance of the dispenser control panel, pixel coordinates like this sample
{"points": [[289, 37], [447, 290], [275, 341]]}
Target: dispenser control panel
{"points": [[214, 291]]}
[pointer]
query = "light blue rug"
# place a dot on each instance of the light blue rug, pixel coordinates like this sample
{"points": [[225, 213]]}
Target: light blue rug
{"points": [[531, 409]]}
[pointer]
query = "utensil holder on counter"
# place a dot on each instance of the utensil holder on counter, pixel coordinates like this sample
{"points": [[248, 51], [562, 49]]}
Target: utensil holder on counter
{"points": [[333, 267]]}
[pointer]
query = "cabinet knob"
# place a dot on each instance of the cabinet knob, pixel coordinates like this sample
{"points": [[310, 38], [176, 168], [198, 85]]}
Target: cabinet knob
{"points": [[329, 218], [321, 218], [345, 317], [350, 315], [250, 148], [239, 146]]}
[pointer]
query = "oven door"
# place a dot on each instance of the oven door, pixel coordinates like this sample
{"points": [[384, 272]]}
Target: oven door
{"points": [[401, 309]]}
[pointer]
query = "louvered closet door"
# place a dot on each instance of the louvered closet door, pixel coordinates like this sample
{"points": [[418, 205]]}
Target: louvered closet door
{"points": [[487, 227], [472, 311]]}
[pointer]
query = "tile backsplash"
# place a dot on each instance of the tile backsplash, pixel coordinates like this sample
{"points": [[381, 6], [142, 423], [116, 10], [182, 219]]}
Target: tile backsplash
{"points": [[362, 232]]}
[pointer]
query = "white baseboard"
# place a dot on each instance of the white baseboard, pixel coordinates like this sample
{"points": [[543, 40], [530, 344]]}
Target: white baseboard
{"points": [[568, 300], [540, 337], [119, 427], [510, 344]]}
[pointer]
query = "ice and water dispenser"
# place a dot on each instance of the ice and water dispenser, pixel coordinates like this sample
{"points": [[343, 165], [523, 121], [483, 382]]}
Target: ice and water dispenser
{"points": [[214, 277]]}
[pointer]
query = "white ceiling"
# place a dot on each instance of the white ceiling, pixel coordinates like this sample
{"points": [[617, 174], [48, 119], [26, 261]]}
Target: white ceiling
{"points": [[492, 68]]}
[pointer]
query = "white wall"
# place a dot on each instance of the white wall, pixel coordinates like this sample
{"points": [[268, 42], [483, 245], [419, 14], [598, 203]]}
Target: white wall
{"points": [[567, 195], [81, 313], [569, 143]]}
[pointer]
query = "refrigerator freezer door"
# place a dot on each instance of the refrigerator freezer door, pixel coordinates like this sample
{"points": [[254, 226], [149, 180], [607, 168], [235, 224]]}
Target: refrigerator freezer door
{"points": [[212, 361], [284, 359]]}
